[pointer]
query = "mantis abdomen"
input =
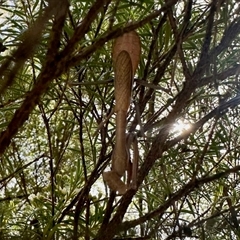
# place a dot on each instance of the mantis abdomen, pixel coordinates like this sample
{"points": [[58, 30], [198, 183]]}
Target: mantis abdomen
{"points": [[123, 92], [123, 82]]}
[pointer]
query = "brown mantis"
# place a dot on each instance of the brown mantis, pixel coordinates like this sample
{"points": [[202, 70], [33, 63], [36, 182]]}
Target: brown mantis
{"points": [[126, 56]]}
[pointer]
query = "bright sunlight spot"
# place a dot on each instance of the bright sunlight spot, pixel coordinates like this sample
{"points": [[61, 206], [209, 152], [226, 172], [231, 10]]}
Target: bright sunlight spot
{"points": [[180, 126]]}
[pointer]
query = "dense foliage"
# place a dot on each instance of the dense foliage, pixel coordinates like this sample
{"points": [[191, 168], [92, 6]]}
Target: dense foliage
{"points": [[57, 130]]}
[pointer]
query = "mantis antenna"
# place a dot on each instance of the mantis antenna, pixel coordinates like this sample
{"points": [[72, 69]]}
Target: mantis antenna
{"points": [[126, 56]]}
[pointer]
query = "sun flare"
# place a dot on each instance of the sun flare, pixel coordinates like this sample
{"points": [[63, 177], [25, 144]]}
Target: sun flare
{"points": [[181, 125]]}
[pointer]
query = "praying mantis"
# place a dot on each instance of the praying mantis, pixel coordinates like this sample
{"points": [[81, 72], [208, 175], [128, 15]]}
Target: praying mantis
{"points": [[126, 57]]}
